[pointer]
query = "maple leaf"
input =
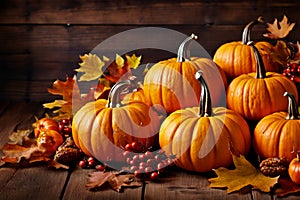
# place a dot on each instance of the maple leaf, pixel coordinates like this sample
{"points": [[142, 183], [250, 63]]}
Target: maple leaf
{"points": [[133, 61], [243, 175], [119, 61], [279, 30], [115, 179], [91, 66], [71, 100]]}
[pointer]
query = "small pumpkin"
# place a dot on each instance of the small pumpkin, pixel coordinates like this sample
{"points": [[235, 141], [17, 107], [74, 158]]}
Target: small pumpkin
{"points": [[168, 83], [103, 128], [277, 134], [235, 58], [200, 137], [49, 140], [256, 95], [294, 170], [45, 124]]}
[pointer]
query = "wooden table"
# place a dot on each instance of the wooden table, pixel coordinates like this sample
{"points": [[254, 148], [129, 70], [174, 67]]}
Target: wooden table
{"points": [[41, 182]]}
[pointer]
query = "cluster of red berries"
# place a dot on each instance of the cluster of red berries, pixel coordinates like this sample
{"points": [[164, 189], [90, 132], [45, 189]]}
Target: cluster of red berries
{"points": [[146, 165], [91, 162], [65, 127], [292, 71]]}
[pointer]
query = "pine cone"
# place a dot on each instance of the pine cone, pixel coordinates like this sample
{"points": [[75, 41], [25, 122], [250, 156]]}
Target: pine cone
{"points": [[68, 153], [274, 166]]}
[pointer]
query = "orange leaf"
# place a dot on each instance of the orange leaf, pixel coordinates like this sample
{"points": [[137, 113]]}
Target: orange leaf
{"points": [[279, 30]]}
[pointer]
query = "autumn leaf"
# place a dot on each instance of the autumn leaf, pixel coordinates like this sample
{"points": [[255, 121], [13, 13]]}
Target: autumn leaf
{"points": [[243, 175], [21, 137], [279, 30], [133, 61], [71, 100], [115, 179], [91, 66]]}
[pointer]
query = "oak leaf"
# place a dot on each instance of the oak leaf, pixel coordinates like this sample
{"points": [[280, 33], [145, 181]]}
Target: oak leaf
{"points": [[21, 137], [115, 179], [243, 175], [279, 30]]}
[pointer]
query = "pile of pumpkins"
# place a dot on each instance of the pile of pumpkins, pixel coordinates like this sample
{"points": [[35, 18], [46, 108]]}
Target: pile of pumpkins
{"points": [[180, 108]]}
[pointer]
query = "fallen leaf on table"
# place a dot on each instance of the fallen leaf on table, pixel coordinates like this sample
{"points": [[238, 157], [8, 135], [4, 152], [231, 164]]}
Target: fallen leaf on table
{"points": [[286, 186], [243, 175], [21, 137], [279, 30], [116, 180]]}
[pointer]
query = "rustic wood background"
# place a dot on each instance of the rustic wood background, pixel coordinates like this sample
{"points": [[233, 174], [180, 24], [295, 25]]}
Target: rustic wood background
{"points": [[41, 40]]}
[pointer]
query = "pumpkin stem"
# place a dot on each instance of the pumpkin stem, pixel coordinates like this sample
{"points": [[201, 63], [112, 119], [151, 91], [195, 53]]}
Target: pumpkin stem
{"points": [[205, 109], [248, 28], [292, 106], [114, 99], [183, 50], [260, 67]]}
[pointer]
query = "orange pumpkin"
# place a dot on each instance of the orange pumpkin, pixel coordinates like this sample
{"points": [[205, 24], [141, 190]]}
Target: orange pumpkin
{"points": [[294, 170], [200, 137], [45, 124], [49, 140], [103, 128], [277, 135], [168, 83], [235, 58], [256, 95]]}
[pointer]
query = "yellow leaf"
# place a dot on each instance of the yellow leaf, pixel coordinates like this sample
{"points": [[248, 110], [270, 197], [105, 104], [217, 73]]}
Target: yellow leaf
{"points": [[133, 61], [91, 66], [56, 103], [279, 30], [119, 61], [243, 175]]}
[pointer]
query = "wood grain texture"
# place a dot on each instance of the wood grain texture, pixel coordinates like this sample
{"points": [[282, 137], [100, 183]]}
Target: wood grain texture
{"points": [[41, 40]]}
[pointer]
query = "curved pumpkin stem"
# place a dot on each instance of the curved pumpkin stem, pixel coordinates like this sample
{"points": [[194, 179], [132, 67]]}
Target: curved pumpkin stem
{"points": [[114, 99], [248, 28], [205, 109], [183, 50], [292, 106], [260, 67]]}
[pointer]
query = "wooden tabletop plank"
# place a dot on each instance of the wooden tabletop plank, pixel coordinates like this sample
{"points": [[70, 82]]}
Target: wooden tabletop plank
{"points": [[76, 189], [179, 184]]}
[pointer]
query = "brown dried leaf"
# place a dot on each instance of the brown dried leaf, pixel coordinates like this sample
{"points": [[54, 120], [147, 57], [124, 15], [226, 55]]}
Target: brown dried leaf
{"points": [[21, 137], [57, 165], [97, 179], [119, 181], [116, 180], [286, 186], [243, 175], [279, 30]]}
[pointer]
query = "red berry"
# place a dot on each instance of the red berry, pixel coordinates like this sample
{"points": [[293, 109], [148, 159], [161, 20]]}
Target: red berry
{"points": [[148, 154], [133, 168], [128, 147], [134, 146], [137, 173], [294, 65], [143, 164], [82, 164], [92, 163], [126, 154], [142, 157], [100, 167], [128, 160], [154, 176], [148, 170], [160, 167]]}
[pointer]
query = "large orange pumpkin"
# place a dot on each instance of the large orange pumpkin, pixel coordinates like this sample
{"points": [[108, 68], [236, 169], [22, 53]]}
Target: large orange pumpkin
{"points": [[171, 83], [277, 135], [235, 58], [103, 128], [256, 95], [201, 137]]}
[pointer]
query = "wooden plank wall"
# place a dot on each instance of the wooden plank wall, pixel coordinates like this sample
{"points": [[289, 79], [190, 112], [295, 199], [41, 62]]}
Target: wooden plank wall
{"points": [[41, 41]]}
